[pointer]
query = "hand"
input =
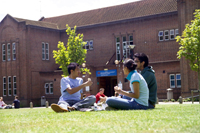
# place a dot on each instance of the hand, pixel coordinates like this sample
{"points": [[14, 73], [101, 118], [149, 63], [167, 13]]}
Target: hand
{"points": [[117, 89], [88, 83]]}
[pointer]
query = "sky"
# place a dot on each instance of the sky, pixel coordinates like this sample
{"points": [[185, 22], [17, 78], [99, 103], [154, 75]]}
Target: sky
{"points": [[35, 9]]}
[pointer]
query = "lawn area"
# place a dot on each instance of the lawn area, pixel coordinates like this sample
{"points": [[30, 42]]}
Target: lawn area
{"points": [[164, 118]]}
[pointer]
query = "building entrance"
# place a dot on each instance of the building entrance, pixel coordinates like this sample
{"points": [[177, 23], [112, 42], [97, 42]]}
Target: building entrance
{"points": [[108, 84]]}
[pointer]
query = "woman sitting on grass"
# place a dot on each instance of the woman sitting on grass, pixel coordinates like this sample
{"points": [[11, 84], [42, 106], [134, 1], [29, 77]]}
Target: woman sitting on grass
{"points": [[139, 90]]}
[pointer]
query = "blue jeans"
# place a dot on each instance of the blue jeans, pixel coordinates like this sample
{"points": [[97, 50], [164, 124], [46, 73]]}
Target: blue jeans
{"points": [[124, 104], [84, 103]]}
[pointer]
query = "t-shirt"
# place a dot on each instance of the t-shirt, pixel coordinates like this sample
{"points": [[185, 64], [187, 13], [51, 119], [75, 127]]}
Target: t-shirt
{"points": [[2, 103], [98, 96], [68, 82], [134, 76], [16, 103]]}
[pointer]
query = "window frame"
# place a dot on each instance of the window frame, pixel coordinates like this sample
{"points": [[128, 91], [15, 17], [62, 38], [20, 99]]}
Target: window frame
{"points": [[43, 51], [4, 89], [91, 48], [9, 86], [171, 34], [176, 32], [13, 51], [3, 52], [166, 35], [51, 90], [118, 51], [178, 86], [49, 87], [124, 45], [14, 85], [172, 80], [8, 52], [47, 51], [161, 35]]}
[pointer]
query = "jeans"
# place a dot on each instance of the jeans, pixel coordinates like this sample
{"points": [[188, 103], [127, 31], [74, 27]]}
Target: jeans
{"points": [[84, 103], [124, 104]]}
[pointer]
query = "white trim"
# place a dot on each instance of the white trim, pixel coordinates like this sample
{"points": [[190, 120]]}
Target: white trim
{"points": [[14, 51], [124, 45], [172, 36], [161, 35], [176, 32], [178, 86], [166, 31], [4, 83], [8, 52], [14, 84], [9, 88], [47, 51], [3, 52], [43, 51], [51, 91], [172, 80], [118, 49]]}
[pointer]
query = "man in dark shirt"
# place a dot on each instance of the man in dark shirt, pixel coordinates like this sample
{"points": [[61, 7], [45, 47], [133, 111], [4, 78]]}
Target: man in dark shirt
{"points": [[149, 75], [16, 103]]}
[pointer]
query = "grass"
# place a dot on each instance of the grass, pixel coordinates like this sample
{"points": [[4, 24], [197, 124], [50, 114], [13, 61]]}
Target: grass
{"points": [[164, 118]]}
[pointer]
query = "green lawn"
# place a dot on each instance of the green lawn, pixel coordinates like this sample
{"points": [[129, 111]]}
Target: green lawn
{"points": [[165, 118]]}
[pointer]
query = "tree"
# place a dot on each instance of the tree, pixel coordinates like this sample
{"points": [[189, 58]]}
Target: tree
{"points": [[190, 44], [73, 52]]}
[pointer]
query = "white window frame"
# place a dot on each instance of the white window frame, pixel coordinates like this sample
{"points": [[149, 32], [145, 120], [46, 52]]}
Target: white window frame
{"points": [[4, 86], [124, 45], [172, 34], [9, 86], [14, 85], [43, 51], [8, 52], [176, 32], [91, 45], [178, 86], [47, 51], [172, 80], [166, 35], [51, 88], [118, 51], [3, 52], [46, 86], [13, 51], [161, 34]]}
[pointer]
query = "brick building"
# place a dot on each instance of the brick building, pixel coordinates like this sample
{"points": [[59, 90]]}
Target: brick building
{"points": [[28, 68]]}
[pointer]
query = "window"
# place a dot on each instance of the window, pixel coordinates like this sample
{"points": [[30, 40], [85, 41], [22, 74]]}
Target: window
{"points": [[176, 32], [178, 80], [45, 51], [88, 45], [91, 44], [13, 51], [8, 51], [172, 80], [160, 35], [124, 47], [131, 39], [9, 86], [48, 88], [166, 35], [175, 80], [118, 56], [4, 86], [3, 52], [172, 34], [14, 86]]}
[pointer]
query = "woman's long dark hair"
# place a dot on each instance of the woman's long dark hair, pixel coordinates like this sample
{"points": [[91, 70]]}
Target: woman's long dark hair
{"points": [[130, 64]]}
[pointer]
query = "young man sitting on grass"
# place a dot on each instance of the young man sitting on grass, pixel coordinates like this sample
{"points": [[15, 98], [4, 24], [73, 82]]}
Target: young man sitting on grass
{"points": [[71, 92]]}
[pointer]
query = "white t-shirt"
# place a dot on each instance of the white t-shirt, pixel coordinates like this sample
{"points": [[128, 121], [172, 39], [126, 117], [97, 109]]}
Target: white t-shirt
{"points": [[68, 82], [134, 76], [2, 104]]}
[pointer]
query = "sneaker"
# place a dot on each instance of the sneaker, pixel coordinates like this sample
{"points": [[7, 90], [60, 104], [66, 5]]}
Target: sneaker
{"points": [[58, 109]]}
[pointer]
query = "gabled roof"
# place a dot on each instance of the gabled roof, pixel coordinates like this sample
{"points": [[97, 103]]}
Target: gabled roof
{"points": [[115, 13], [37, 23]]}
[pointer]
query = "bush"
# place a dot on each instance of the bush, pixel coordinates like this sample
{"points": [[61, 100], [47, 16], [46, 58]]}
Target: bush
{"points": [[173, 100]]}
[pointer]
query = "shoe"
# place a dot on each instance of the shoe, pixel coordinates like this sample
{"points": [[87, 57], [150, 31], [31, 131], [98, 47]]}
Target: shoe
{"points": [[71, 108], [58, 109], [110, 108]]}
